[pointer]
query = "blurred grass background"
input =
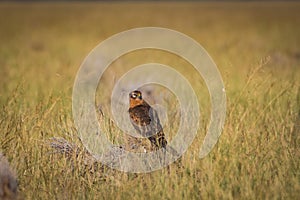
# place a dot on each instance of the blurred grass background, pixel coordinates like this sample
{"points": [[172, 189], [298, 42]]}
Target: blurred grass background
{"points": [[255, 46]]}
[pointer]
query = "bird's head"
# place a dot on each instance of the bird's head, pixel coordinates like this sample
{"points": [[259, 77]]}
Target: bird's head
{"points": [[135, 98], [135, 95]]}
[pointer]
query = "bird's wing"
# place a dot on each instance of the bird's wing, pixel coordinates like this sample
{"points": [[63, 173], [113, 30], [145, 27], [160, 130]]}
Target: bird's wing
{"points": [[145, 120], [155, 122], [140, 118]]}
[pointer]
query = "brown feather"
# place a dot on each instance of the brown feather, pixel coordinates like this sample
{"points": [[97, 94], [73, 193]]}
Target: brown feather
{"points": [[145, 120]]}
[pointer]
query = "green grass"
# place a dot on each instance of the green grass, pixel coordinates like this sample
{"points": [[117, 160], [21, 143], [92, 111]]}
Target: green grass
{"points": [[256, 47]]}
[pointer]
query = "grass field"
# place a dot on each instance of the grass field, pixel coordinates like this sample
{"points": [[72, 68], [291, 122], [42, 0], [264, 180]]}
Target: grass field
{"points": [[256, 48]]}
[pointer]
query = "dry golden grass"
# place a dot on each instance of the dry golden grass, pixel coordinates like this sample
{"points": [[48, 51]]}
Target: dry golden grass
{"points": [[256, 47]]}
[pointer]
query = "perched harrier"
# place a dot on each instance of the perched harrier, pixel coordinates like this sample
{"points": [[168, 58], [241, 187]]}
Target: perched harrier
{"points": [[145, 120]]}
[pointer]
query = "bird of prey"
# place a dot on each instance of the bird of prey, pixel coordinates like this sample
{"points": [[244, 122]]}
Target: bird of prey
{"points": [[145, 120]]}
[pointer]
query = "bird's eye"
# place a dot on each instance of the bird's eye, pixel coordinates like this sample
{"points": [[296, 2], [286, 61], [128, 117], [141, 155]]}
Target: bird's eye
{"points": [[133, 95]]}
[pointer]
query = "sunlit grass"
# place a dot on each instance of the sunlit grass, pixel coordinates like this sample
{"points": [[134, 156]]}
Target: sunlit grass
{"points": [[256, 47]]}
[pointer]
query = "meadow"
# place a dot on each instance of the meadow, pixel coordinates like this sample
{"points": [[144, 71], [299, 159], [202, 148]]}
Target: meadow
{"points": [[254, 45]]}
